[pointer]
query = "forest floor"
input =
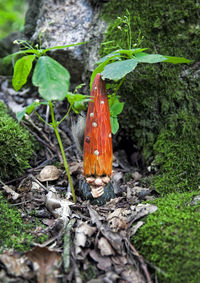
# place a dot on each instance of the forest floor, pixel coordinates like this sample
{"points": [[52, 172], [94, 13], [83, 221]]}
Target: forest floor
{"points": [[81, 242]]}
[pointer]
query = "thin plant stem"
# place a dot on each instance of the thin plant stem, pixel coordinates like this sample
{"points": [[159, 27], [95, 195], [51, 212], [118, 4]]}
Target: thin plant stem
{"points": [[40, 118], [119, 85], [55, 127], [70, 107]]}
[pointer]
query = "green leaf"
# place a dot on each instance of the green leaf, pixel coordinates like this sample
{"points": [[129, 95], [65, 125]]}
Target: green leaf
{"points": [[138, 50], [77, 101], [176, 60], [22, 69], [129, 52], [51, 78], [64, 46], [116, 108], [98, 69], [29, 109], [109, 57], [114, 125], [117, 70], [149, 58]]}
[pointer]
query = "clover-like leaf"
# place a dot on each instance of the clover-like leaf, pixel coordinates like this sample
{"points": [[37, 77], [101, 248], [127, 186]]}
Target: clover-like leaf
{"points": [[77, 101], [117, 70], [149, 58], [176, 60], [51, 78], [116, 108], [114, 125], [22, 69]]}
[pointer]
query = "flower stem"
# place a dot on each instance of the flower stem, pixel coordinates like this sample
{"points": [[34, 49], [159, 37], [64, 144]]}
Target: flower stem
{"points": [[55, 127]]}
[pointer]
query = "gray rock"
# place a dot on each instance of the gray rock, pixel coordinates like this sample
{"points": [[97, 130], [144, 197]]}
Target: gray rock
{"points": [[63, 22]]}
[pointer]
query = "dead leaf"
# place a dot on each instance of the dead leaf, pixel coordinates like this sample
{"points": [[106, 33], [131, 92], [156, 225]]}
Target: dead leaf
{"points": [[131, 274], [81, 232], [11, 192], [16, 265], [49, 173], [46, 263], [60, 208], [118, 219], [103, 263], [114, 238], [76, 167], [105, 247], [135, 227], [142, 210], [136, 176], [119, 260]]}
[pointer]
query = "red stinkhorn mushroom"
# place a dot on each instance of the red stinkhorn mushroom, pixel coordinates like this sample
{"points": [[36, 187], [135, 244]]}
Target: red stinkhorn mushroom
{"points": [[97, 153]]}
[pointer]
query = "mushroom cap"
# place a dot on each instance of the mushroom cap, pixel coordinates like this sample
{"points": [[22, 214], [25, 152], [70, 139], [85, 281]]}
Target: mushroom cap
{"points": [[49, 173]]}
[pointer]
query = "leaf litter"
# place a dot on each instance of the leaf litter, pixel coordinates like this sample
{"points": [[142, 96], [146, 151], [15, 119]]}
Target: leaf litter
{"points": [[85, 243]]}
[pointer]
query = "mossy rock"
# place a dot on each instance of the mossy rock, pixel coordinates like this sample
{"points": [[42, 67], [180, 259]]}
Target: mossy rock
{"points": [[177, 155], [157, 95], [169, 240], [17, 146]]}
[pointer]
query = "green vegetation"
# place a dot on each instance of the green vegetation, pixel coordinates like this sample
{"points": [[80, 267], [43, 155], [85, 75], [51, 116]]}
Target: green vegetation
{"points": [[13, 232], [53, 81], [177, 155], [159, 98], [12, 14], [16, 146], [116, 65], [169, 240]]}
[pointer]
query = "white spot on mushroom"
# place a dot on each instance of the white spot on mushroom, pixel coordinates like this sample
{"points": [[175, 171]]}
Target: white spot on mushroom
{"points": [[95, 87], [94, 124], [96, 152], [91, 114], [110, 135], [102, 102]]}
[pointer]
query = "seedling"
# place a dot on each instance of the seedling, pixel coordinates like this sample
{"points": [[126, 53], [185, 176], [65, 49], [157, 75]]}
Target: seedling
{"points": [[116, 65], [52, 80]]}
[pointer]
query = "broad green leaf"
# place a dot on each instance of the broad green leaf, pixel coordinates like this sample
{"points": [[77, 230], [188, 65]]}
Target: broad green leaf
{"points": [[51, 78], [176, 60], [117, 70], [114, 125], [116, 108], [29, 109], [22, 69], [149, 58]]}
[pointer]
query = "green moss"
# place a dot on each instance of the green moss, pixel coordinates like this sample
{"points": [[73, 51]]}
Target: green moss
{"points": [[170, 238], [157, 95], [177, 155], [13, 232], [16, 146]]}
